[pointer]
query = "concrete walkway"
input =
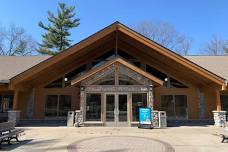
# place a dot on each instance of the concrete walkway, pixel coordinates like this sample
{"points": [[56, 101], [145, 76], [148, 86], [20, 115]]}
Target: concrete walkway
{"points": [[107, 139]]}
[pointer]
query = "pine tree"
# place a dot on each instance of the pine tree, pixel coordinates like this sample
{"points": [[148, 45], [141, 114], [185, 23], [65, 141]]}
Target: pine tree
{"points": [[56, 39]]}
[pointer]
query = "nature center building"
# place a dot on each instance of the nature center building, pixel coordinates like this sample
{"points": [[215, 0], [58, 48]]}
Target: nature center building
{"points": [[108, 76]]}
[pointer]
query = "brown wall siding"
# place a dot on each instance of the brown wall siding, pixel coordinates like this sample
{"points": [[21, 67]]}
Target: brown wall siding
{"points": [[23, 102], [210, 98]]}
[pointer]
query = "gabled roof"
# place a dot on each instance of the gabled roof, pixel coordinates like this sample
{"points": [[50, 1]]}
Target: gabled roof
{"points": [[154, 79], [11, 66], [112, 29], [215, 64]]}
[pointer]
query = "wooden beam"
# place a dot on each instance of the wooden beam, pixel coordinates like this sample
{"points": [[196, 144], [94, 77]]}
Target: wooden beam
{"points": [[147, 44], [15, 100], [218, 101], [55, 73], [4, 87], [159, 64], [121, 61], [75, 49]]}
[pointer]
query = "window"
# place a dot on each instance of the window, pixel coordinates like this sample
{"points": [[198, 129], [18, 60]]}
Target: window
{"points": [[55, 84], [107, 80], [93, 107], [139, 100], [126, 80], [74, 73], [64, 105], [6, 103], [224, 103], [57, 105], [175, 106]]}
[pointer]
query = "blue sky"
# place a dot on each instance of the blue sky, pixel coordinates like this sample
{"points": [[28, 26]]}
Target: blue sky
{"points": [[198, 19]]}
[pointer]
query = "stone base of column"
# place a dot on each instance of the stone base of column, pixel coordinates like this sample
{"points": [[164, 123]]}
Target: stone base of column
{"points": [[219, 118], [14, 116], [78, 118]]}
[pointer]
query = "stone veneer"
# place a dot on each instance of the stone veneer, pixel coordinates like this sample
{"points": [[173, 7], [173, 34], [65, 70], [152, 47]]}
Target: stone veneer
{"points": [[78, 118], [219, 118], [14, 116]]}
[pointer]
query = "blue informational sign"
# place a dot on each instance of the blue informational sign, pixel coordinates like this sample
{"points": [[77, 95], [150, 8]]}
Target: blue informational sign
{"points": [[145, 116]]}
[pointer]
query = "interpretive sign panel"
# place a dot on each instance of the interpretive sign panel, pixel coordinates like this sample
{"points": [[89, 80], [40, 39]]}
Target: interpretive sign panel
{"points": [[145, 120]]}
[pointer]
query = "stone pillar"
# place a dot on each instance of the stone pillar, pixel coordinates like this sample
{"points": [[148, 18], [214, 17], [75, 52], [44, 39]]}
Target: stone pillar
{"points": [[14, 116], [78, 118], [201, 104], [219, 118], [79, 114], [150, 97], [30, 105]]}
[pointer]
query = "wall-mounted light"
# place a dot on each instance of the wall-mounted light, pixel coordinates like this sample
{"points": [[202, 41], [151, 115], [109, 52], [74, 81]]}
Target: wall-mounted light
{"points": [[82, 88], [65, 79], [150, 87], [166, 79]]}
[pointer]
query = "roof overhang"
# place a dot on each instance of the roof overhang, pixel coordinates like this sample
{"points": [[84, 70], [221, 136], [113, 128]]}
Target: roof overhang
{"points": [[104, 33]]}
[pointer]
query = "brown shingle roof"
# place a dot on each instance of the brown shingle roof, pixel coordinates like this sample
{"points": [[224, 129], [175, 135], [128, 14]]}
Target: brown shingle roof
{"points": [[11, 66], [216, 64]]}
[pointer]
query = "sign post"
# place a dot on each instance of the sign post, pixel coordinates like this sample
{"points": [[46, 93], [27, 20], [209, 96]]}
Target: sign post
{"points": [[145, 120]]}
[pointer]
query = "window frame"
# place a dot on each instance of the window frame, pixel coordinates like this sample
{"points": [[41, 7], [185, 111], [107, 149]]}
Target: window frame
{"points": [[58, 103], [175, 117], [85, 106]]}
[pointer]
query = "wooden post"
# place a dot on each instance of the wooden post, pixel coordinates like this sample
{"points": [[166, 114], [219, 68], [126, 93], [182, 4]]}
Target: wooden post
{"points": [[116, 44], [116, 74], [15, 100], [218, 101]]}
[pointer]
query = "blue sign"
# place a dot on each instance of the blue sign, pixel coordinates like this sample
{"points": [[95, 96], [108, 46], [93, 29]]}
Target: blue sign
{"points": [[145, 116]]}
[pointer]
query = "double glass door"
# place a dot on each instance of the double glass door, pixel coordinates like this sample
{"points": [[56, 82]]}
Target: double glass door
{"points": [[116, 109]]}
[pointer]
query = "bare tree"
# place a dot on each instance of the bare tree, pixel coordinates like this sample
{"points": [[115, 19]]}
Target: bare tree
{"points": [[14, 41], [215, 46], [166, 35]]}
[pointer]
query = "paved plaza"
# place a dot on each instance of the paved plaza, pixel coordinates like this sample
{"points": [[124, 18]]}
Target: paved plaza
{"points": [[108, 139]]}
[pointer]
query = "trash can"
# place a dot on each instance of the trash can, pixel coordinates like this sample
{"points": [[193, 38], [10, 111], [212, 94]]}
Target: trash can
{"points": [[70, 118], [162, 119]]}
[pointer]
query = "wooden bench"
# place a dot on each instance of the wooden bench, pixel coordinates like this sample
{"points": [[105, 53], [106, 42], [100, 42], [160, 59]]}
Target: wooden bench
{"points": [[8, 132], [224, 137]]}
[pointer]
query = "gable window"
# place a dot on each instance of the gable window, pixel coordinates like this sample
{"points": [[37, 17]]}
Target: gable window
{"points": [[55, 84], [73, 74], [57, 105]]}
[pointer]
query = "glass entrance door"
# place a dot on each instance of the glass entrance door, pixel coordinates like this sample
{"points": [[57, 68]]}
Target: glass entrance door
{"points": [[116, 109]]}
